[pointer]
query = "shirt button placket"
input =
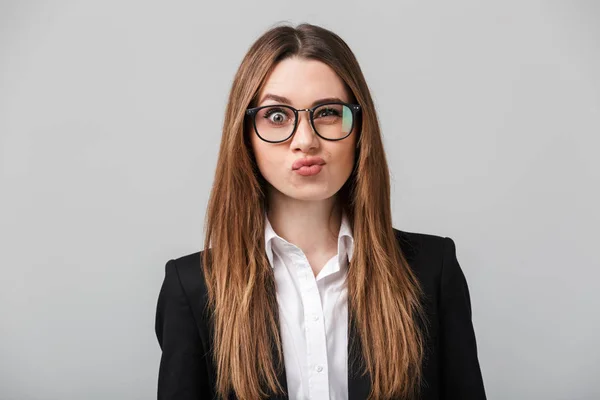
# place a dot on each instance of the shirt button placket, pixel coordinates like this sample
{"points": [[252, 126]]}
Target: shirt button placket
{"points": [[316, 343]]}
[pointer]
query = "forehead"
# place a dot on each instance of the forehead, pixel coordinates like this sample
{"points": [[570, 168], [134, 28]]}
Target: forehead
{"points": [[302, 81]]}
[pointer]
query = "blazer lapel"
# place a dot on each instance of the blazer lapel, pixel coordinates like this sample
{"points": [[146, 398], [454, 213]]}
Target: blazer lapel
{"points": [[281, 377], [358, 386]]}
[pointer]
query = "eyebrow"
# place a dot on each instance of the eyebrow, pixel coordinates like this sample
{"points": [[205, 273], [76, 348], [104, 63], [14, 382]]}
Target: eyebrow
{"points": [[285, 100]]}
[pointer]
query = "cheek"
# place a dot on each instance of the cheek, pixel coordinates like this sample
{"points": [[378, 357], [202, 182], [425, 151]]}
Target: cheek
{"points": [[345, 156], [258, 150], [265, 156]]}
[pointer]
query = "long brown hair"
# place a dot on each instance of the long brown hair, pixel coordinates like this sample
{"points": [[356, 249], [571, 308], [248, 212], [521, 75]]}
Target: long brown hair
{"points": [[384, 296]]}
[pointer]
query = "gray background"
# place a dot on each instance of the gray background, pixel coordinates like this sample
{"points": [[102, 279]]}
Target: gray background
{"points": [[110, 117]]}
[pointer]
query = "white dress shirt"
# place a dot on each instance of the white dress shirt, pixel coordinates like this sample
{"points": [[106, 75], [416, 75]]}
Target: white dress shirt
{"points": [[313, 316]]}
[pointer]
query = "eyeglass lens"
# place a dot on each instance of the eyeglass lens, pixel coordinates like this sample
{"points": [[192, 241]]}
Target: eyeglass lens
{"points": [[332, 121]]}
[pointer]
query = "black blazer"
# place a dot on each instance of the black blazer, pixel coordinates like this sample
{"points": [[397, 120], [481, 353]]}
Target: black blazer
{"points": [[451, 368]]}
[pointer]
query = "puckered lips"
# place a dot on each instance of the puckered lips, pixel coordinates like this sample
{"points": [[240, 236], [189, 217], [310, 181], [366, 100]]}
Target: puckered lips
{"points": [[308, 166]]}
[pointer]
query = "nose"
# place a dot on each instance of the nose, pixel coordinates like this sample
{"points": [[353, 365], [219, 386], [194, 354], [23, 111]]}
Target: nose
{"points": [[304, 137]]}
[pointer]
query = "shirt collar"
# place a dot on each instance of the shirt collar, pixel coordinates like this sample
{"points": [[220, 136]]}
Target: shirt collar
{"points": [[345, 240]]}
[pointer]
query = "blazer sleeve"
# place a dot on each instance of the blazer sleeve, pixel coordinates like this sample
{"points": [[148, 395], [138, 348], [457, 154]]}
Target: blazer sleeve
{"points": [[182, 372], [461, 373]]}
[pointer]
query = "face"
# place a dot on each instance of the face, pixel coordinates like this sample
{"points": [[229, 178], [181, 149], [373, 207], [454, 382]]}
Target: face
{"points": [[303, 82]]}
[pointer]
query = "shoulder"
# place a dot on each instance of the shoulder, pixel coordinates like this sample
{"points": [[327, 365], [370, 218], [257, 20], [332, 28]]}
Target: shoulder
{"points": [[423, 248], [414, 244], [187, 271], [430, 256], [188, 264]]}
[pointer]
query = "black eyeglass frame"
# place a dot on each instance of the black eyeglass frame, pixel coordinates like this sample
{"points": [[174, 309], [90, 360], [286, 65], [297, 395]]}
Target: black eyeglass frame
{"points": [[355, 108]]}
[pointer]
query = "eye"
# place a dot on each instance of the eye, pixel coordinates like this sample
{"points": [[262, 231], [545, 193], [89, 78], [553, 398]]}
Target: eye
{"points": [[328, 111], [276, 116]]}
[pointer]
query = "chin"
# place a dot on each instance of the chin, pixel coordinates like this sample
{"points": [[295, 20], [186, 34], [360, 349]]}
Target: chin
{"points": [[310, 193]]}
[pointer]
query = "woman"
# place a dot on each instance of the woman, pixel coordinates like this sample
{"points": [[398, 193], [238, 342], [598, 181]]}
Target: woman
{"points": [[306, 290]]}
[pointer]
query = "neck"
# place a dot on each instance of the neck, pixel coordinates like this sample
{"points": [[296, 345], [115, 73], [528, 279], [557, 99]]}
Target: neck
{"points": [[312, 225]]}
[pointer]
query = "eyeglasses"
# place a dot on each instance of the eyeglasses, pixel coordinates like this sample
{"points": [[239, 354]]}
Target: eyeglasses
{"points": [[277, 123]]}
